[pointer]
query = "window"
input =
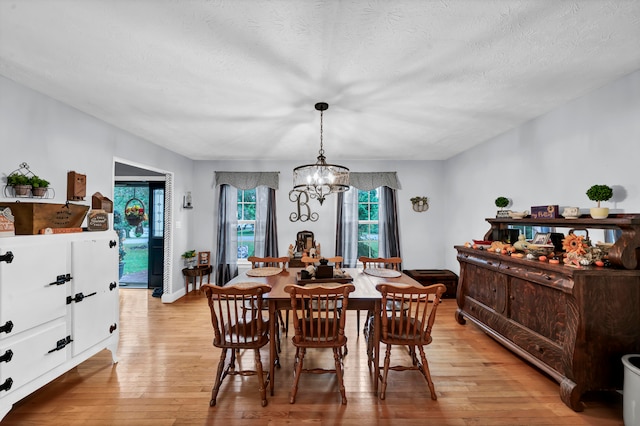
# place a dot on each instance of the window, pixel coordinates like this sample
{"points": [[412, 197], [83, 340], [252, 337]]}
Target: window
{"points": [[246, 223], [368, 229]]}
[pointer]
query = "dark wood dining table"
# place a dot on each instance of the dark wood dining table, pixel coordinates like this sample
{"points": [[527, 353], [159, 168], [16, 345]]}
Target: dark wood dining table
{"points": [[365, 297]]}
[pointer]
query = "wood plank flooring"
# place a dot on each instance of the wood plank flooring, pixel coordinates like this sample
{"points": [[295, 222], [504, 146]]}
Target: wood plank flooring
{"points": [[167, 368]]}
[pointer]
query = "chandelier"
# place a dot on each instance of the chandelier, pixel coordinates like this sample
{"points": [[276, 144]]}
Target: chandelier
{"points": [[320, 179]]}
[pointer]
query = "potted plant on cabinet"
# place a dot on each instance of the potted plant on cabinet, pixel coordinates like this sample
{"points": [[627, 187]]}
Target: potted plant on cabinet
{"points": [[599, 193], [501, 203], [20, 183], [38, 186]]}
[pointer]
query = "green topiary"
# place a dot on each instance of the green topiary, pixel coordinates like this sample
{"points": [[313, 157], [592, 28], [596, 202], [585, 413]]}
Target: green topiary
{"points": [[599, 193], [502, 202]]}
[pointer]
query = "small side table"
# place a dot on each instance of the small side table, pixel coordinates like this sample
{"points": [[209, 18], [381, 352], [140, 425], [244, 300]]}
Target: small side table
{"points": [[196, 271]]}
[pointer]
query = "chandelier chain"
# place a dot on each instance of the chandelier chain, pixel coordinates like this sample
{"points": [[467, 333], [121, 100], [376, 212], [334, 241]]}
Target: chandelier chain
{"points": [[321, 152]]}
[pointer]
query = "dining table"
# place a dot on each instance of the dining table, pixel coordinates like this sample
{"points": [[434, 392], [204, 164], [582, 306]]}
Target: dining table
{"points": [[365, 297]]}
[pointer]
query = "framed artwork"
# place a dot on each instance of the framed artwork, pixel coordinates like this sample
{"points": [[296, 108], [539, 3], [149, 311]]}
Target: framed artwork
{"points": [[541, 238]]}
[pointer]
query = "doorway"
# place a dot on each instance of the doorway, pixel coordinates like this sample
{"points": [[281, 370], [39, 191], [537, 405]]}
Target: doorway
{"points": [[139, 222]]}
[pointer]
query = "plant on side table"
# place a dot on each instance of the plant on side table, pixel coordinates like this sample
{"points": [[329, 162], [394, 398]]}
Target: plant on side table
{"points": [[189, 257], [599, 193]]}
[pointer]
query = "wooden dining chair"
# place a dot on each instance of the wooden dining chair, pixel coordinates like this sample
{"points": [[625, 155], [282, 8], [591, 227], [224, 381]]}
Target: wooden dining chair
{"points": [[274, 262], [394, 263], [336, 260], [264, 262], [408, 327], [319, 324], [235, 327]]}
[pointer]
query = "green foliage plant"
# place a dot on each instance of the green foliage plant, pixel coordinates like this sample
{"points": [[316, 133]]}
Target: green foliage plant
{"points": [[189, 254], [502, 202], [600, 193], [15, 179], [38, 182]]}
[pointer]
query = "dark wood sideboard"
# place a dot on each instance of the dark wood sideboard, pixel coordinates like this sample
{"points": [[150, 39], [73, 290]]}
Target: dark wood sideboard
{"points": [[575, 324]]}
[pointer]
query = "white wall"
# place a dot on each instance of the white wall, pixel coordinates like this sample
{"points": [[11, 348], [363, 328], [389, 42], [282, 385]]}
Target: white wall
{"points": [[550, 160], [54, 138], [421, 233], [553, 159]]}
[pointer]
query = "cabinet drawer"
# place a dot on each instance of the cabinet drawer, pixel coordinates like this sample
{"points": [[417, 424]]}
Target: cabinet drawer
{"points": [[545, 350], [485, 262], [539, 276], [32, 354]]}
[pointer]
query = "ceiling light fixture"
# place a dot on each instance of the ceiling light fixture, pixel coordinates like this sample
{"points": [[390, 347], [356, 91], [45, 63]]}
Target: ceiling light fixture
{"points": [[320, 179]]}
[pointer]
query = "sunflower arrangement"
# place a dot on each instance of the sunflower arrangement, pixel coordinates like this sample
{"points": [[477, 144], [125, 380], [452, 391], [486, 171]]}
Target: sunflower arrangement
{"points": [[573, 243]]}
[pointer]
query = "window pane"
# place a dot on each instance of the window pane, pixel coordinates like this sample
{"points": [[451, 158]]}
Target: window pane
{"points": [[246, 214], [368, 223], [250, 211]]}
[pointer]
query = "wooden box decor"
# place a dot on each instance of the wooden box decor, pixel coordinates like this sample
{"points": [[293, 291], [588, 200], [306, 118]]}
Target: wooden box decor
{"points": [[100, 202], [76, 186], [98, 220], [31, 218], [544, 212]]}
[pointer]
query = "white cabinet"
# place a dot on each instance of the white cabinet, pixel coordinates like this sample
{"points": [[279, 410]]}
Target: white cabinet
{"points": [[58, 307]]}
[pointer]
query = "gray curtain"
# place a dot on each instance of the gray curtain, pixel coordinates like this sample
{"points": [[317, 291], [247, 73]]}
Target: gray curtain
{"points": [[347, 227], [389, 237], [347, 217], [227, 241], [266, 230]]}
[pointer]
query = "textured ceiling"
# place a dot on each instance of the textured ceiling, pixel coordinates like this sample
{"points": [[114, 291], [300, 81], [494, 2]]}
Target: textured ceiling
{"points": [[405, 79]]}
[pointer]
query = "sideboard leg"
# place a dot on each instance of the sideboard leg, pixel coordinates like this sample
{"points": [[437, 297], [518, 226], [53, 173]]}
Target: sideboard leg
{"points": [[459, 317], [570, 394]]}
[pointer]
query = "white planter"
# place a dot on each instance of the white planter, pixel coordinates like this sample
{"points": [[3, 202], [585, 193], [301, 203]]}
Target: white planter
{"points": [[631, 391], [599, 212]]}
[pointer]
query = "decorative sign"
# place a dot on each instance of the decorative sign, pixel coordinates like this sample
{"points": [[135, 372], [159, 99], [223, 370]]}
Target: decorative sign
{"points": [[544, 212], [302, 201], [97, 220]]}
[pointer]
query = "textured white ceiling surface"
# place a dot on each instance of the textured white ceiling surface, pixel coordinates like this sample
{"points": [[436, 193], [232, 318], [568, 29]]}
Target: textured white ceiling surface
{"points": [[404, 79]]}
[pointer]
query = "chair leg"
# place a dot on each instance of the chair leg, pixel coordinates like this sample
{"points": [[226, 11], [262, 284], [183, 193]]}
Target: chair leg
{"points": [[358, 322], [216, 386], [286, 324], [339, 372], [297, 371], [368, 335], [259, 373], [427, 374], [387, 361]]}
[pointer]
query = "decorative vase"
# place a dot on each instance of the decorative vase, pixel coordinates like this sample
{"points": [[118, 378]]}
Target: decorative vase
{"points": [[21, 190], [38, 192], [599, 212]]}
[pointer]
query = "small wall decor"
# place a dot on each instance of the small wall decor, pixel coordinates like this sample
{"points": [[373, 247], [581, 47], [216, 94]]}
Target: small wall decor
{"points": [[76, 186], [22, 182], [187, 201], [420, 204], [301, 198]]}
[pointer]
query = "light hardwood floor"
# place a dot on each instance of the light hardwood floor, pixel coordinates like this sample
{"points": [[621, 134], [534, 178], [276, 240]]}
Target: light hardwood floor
{"points": [[167, 367]]}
